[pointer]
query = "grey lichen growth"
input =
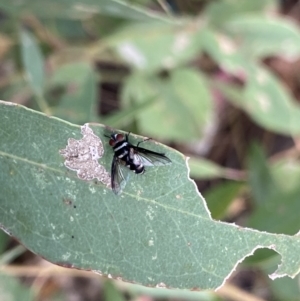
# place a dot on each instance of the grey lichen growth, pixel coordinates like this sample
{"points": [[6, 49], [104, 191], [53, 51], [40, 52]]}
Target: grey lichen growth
{"points": [[82, 156]]}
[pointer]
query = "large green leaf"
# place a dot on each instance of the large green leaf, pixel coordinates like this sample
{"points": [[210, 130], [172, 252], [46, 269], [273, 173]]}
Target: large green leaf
{"points": [[158, 232]]}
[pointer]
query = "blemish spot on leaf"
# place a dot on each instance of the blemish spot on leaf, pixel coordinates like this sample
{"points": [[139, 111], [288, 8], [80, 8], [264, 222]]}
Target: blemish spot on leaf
{"points": [[262, 77], [182, 41], [82, 156], [226, 45], [66, 256], [161, 285], [67, 201], [132, 53], [264, 102]]}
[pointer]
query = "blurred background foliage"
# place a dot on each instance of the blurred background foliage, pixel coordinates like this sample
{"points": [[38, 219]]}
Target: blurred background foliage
{"points": [[218, 80]]}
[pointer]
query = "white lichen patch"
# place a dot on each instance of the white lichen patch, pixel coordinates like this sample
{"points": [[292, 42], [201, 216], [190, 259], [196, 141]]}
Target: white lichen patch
{"points": [[150, 213], [151, 242], [133, 54], [66, 256], [161, 285], [82, 156], [182, 41], [264, 102]]}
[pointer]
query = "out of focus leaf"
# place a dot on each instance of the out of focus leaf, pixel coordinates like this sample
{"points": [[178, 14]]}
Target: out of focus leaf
{"points": [[78, 103], [183, 108], [286, 173], [11, 289], [276, 209], [269, 104], [111, 293], [33, 62], [286, 288], [259, 176], [276, 191], [219, 198], [151, 46], [78, 9], [224, 51], [261, 36], [219, 12], [125, 116], [204, 169], [158, 293], [266, 101], [4, 238]]}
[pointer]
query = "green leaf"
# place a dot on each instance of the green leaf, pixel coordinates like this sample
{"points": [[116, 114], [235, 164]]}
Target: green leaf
{"points": [[151, 46], [12, 289], [260, 179], [269, 104], [287, 168], [224, 51], [219, 12], [266, 101], [204, 169], [78, 103], [219, 198], [158, 232], [78, 9], [276, 208], [163, 294], [182, 97], [286, 289], [111, 293], [125, 116], [261, 36], [11, 254], [33, 62], [4, 239]]}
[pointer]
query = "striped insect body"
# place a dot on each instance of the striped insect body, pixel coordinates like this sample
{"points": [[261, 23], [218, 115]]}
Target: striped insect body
{"points": [[130, 157]]}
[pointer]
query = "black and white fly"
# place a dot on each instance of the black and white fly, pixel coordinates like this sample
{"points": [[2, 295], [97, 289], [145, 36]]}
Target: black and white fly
{"points": [[133, 157]]}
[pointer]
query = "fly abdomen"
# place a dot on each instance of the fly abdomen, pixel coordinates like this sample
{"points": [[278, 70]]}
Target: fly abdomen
{"points": [[139, 169], [134, 167]]}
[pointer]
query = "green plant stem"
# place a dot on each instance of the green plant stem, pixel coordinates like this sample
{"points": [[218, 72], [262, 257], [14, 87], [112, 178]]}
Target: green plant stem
{"points": [[10, 255], [42, 103], [165, 6]]}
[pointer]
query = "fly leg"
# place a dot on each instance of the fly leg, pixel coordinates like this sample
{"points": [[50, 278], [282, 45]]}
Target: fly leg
{"points": [[144, 140]]}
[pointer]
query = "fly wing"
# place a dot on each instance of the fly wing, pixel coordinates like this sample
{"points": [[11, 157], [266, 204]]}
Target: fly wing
{"points": [[119, 176], [150, 158]]}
